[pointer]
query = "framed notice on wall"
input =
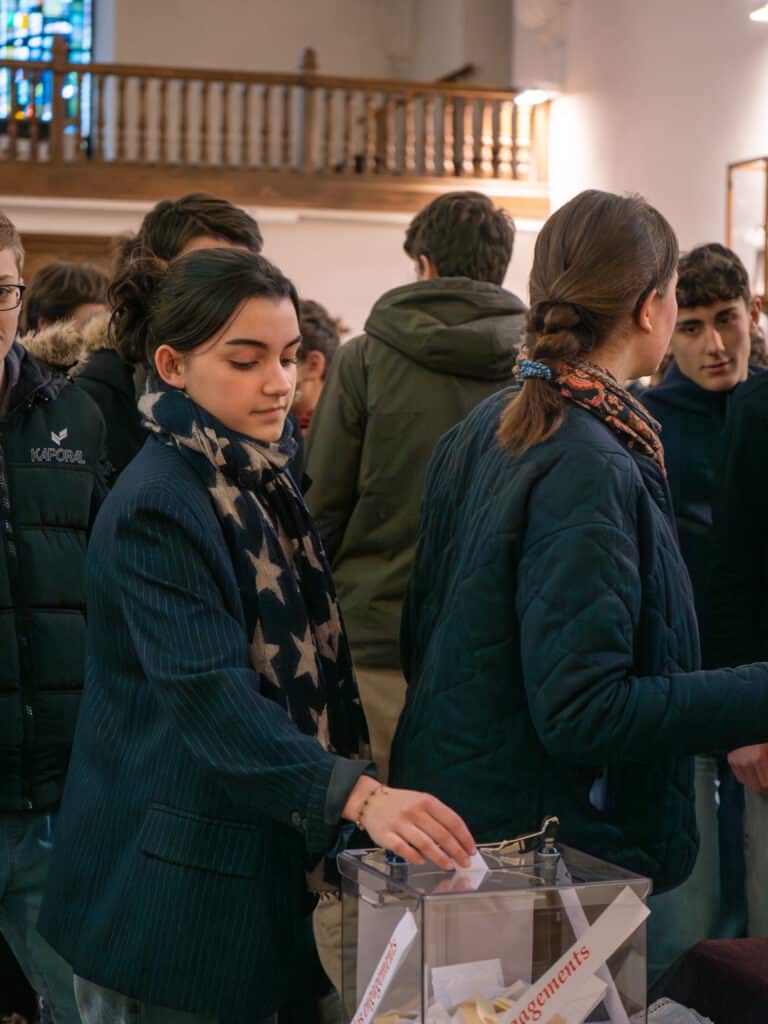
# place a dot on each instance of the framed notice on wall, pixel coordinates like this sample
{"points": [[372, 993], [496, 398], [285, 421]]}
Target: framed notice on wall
{"points": [[747, 217]]}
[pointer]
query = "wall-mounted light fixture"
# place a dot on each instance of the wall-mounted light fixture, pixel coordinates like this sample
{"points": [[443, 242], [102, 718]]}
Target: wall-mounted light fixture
{"points": [[532, 97], [760, 14]]}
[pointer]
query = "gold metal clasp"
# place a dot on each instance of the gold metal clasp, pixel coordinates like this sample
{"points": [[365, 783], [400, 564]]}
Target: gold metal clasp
{"points": [[532, 843]]}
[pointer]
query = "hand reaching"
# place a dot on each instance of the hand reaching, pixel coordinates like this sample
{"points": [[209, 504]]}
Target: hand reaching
{"points": [[415, 826], [750, 766]]}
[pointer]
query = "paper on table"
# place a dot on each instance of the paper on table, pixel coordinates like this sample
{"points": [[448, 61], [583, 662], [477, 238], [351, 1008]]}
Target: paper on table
{"points": [[454, 983]]}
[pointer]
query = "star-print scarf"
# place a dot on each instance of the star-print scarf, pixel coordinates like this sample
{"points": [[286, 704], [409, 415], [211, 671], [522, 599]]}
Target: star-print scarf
{"points": [[297, 641], [599, 392]]}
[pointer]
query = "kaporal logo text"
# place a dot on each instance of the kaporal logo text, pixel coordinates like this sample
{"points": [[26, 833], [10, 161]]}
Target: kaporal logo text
{"points": [[74, 456]]}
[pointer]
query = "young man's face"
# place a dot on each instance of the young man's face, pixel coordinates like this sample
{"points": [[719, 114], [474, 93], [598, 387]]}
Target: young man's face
{"points": [[711, 343], [9, 318]]}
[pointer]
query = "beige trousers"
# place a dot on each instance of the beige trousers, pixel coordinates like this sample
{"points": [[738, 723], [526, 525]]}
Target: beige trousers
{"points": [[382, 694]]}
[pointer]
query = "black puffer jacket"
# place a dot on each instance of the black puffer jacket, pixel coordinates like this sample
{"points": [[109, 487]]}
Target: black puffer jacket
{"points": [[52, 456]]}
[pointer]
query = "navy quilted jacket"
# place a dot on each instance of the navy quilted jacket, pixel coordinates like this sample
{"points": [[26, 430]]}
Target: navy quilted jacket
{"points": [[551, 650]]}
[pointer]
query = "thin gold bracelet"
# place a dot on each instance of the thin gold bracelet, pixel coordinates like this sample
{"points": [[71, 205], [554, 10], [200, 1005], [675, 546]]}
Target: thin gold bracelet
{"points": [[371, 795]]}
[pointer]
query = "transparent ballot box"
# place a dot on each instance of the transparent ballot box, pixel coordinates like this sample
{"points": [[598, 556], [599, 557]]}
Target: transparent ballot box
{"points": [[532, 933]]}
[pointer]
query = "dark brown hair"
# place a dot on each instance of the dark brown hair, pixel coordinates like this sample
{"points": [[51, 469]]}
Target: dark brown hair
{"points": [[596, 261], [464, 235], [57, 290], [185, 303], [320, 332], [711, 273], [173, 223], [9, 239]]}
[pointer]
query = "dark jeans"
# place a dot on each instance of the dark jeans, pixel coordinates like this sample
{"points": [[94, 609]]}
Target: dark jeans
{"points": [[99, 1005], [25, 851]]}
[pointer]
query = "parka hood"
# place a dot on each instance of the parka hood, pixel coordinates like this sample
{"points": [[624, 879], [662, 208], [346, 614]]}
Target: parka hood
{"points": [[62, 345], [452, 325]]}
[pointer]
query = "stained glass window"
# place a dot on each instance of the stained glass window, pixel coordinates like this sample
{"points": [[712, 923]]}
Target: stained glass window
{"points": [[27, 29]]}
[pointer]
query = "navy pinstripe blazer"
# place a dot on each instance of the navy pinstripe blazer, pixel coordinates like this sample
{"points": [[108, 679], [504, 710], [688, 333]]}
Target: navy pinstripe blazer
{"points": [[191, 802]]}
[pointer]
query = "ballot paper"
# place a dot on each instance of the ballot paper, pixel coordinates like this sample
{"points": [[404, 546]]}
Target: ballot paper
{"points": [[455, 983], [553, 991], [396, 949]]}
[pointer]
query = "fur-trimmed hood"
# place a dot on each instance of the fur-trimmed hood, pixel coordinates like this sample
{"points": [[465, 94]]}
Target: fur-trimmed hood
{"points": [[62, 345]]}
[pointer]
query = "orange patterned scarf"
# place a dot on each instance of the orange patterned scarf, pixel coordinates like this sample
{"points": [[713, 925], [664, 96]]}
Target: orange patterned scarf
{"points": [[600, 393]]}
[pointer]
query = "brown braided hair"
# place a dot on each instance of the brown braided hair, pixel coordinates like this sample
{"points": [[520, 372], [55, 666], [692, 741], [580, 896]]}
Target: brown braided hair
{"points": [[596, 261]]}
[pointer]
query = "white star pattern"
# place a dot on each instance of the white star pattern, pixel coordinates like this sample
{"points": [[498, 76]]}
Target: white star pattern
{"points": [[263, 654], [307, 661], [267, 572]]}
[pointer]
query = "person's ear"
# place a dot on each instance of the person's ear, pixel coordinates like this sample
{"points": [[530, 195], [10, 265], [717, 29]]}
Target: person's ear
{"points": [[755, 309], [427, 269], [314, 365], [170, 366], [646, 313]]}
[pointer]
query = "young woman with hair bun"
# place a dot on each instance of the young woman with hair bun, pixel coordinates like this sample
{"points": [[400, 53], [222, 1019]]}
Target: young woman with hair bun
{"points": [[215, 755], [549, 637]]}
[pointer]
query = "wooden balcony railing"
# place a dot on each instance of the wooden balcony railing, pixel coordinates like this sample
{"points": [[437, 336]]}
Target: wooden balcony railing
{"points": [[192, 124]]}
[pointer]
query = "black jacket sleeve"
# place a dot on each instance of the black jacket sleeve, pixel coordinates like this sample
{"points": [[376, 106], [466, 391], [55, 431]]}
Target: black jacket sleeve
{"points": [[740, 537]]}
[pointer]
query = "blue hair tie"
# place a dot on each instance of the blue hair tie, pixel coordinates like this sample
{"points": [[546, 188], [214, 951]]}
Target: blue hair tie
{"points": [[529, 369]]}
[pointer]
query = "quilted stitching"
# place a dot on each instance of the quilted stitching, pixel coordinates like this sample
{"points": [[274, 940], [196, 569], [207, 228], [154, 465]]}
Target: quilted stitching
{"points": [[495, 534]]}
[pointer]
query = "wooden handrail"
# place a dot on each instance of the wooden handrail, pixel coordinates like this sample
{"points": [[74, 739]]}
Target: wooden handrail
{"points": [[303, 122], [294, 79]]}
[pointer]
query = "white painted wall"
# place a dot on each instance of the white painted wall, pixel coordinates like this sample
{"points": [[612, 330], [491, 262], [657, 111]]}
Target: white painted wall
{"points": [[660, 96], [366, 38], [344, 260], [447, 34]]}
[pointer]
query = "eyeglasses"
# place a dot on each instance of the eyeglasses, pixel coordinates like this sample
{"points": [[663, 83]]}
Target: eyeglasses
{"points": [[10, 295]]}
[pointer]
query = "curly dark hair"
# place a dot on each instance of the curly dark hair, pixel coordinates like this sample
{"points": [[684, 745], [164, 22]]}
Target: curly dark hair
{"points": [[172, 223], [187, 301], [320, 332], [711, 273], [464, 235]]}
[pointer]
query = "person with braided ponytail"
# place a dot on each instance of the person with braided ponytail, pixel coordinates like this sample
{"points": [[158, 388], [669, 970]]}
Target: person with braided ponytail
{"points": [[549, 635], [220, 745]]}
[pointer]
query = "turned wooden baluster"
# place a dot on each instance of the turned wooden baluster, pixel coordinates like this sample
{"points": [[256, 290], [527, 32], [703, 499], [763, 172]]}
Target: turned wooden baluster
{"points": [[99, 152], [80, 153], [226, 98], [347, 157], [141, 142], [429, 136], [327, 130], [120, 141], [409, 147], [266, 103], [34, 126], [286, 158], [485, 148], [203, 149], [369, 134], [468, 136], [57, 124], [307, 68], [245, 125], [514, 155], [496, 139], [163, 148], [13, 122], [389, 122], [448, 156], [184, 156]]}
